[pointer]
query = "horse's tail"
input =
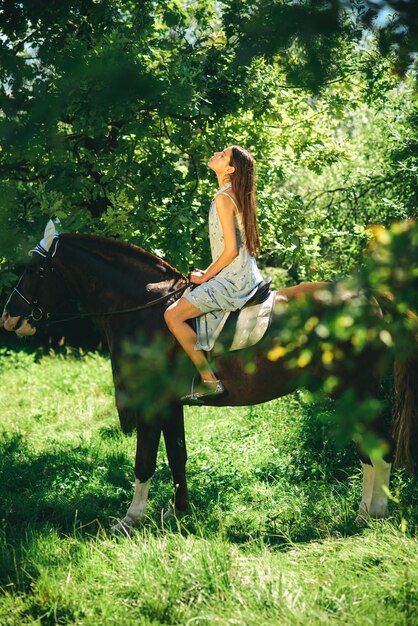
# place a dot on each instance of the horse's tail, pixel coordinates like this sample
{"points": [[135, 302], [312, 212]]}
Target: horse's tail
{"points": [[405, 414], [405, 418]]}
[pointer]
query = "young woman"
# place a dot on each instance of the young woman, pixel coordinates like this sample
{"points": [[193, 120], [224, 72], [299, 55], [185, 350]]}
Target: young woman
{"points": [[233, 276]]}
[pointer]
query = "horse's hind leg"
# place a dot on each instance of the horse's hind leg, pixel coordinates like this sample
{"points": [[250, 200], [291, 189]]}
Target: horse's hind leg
{"points": [[148, 438], [175, 443], [376, 472], [379, 503], [367, 492], [374, 500]]}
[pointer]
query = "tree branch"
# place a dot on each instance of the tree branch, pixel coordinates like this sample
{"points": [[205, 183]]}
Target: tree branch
{"points": [[18, 45], [189, 154]]}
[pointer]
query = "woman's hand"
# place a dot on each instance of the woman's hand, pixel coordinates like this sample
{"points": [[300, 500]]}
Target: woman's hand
{"points": [[197, 277]]}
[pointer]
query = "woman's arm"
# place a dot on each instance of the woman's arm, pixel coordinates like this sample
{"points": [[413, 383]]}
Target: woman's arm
{"points": [[225, 209]]}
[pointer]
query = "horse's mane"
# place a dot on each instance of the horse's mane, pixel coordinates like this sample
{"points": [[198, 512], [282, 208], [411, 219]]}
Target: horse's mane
{"points": [[124, 247]]}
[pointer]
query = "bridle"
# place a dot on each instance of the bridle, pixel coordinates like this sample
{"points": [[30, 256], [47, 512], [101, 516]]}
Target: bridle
{"points": [[37, 314]]}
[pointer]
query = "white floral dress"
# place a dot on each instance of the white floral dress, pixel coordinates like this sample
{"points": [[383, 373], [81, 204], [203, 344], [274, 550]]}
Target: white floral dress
{"points": [[231, 288]]}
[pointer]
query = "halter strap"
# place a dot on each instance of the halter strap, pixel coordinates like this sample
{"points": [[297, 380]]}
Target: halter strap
{"points": [[237, 213]]}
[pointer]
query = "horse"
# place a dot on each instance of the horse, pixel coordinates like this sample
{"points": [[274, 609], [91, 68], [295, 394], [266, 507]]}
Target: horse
{"points": [[126, 289]]}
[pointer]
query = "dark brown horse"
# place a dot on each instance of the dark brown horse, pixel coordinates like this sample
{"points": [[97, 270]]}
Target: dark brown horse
{"points": [[127, 289]]}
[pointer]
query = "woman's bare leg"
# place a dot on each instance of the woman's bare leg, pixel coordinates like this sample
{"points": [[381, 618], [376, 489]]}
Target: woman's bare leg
{"points": [[175, 317]]}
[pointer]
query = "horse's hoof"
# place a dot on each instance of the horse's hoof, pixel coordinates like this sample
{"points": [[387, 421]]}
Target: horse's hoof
{"points": [[380, 515], [361, 520], [172, 513], [123, 527]]}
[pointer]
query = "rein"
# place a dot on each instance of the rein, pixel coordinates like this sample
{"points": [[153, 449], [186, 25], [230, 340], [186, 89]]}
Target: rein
{"points": [[37, 314], [133, 309]]}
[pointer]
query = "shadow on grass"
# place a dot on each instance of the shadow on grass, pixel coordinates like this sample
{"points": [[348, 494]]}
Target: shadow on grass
{"points": [[87, 486], [60, 485], [83, 488]]}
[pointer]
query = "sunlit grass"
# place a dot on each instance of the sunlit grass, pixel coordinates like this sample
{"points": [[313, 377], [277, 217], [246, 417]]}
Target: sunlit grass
{"points": [[270, 537]]}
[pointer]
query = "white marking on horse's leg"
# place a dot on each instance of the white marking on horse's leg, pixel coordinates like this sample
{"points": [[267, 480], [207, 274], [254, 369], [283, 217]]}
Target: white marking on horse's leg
{"points": [[379, 503], [136, 511], [367, 493]]}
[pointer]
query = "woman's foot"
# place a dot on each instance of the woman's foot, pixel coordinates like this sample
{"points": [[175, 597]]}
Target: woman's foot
{"points": [[205, 389]]}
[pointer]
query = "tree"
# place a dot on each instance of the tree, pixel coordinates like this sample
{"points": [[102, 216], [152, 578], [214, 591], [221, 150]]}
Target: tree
{"points": [[110, 110]]}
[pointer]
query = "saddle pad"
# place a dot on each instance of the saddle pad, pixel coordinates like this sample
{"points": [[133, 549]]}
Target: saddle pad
{"points": [[252, 323]]}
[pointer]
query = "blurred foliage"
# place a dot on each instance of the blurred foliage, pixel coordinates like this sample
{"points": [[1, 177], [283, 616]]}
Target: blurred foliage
{"points": [[110, 110], [345, 339], [308, 34], [386, 278], [150, 378]]}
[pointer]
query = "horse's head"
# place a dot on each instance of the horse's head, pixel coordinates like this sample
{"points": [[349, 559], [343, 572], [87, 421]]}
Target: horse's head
{"points": [[33, 297], [101, 274]]}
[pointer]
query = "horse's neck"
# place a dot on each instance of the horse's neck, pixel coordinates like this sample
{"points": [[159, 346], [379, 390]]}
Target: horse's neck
{"points": [[107, 282]]}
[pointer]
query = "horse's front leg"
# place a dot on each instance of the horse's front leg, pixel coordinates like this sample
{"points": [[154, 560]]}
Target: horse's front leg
{"points": [[175, 443], [148, 438]]}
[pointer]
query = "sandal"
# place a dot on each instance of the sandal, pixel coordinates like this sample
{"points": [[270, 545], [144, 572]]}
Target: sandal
{"points": [[206, 389]]}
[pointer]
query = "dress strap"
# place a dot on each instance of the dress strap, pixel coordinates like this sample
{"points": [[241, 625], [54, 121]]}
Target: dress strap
{"points": [[231, 198]]}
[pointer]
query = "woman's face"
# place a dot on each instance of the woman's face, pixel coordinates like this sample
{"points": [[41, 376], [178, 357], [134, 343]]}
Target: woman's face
{"points": [[220, 161]]}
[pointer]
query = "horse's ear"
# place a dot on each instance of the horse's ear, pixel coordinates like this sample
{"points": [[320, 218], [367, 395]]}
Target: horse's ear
{"points": [[49, 235]]}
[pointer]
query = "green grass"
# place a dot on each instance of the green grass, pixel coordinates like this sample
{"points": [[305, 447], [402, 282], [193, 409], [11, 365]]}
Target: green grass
{"points": [[270, 538]]}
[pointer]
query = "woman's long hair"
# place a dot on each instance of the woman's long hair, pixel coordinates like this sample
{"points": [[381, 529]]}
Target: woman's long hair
{"points": [[243, 186]]}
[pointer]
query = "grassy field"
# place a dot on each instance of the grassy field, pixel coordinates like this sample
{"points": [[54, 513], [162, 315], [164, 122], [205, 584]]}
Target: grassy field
{"points": [[270, 538]]}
